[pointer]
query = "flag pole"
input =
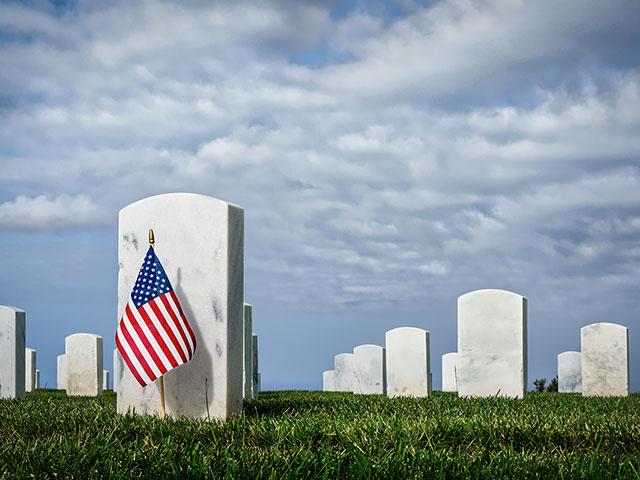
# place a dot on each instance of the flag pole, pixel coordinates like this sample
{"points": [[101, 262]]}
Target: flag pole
{"points": [[152, 241]]}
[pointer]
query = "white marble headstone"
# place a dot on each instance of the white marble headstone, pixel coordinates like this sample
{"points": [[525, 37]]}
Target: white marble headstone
{"points": [[408, 362], [344, 377], [61, 372], [255, 365], [492, 344], [105, 380], [570, 372], [605, 360], [328, 382], [37, 379], [449, 366], [12, 352], [118, 367], [84, 364], [369, 369], [200, 242], [30, 357], [247, 352]]}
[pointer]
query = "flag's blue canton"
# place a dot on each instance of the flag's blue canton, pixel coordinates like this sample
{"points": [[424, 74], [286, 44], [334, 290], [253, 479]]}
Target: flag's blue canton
{"points": [[152, 280]]}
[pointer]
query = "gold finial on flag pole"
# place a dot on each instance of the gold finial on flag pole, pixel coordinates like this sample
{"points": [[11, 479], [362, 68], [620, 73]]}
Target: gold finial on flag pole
{"points": [[152, 240]]}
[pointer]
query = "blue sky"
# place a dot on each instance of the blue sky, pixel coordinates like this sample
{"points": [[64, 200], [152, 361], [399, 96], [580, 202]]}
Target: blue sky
{"points": [[390, 156]]}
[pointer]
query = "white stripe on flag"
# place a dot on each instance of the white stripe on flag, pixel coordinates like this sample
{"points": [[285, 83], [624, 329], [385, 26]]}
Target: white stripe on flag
{"points": [[176, 310], [163, 333], [174, 327], [140, 344], [132, 356], [152, 340]]}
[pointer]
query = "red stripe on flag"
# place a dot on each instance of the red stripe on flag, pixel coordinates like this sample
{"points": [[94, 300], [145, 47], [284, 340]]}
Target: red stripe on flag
{"points": [[145, 341], [154, 331], [132, 344], [132, 367], [177, 322], [184, 318], [169, 331]]}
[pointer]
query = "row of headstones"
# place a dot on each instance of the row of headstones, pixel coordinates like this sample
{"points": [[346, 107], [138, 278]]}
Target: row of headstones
{"points": [[601, 369], [79, 369], [401, 368], [491, 358], [201, 242]]}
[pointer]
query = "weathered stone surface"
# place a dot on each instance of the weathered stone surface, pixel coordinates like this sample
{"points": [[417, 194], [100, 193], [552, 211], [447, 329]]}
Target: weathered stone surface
{"points": [[12, 352], [200, 242], [105, 380], [605, 360], [570, 372], [61, 372], [328, 381], [449, 366], [30, 357], [408, 362], [369, 370], [84, 364], [492, 344], [118, 367], [344, 375], [255, 369], [247, 352], [37, 379]]}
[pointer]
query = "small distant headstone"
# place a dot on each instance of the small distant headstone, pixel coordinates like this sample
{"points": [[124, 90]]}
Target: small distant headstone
{"points": [[29, 369], [37, 379], [255, 367], [369, 369], [570, 372], [200, 240], [247, 352], [408, 362], [344, 375], [61, 372], [605, 360], [84, 364], [118, 365], [105, 380], [328, 382], [449, 383], [492, 344], [12, 352]]}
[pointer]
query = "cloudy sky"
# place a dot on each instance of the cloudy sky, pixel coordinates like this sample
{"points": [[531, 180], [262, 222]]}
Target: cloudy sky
{"points": [[390, 156]]}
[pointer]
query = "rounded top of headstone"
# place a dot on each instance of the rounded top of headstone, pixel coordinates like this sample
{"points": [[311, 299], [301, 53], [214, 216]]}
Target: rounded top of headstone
{"points": [[490, 292], [406, 330], [13, 309], [604, 325], [179, 196], [450, 354], [247, 305], [28, 349], [569, 353], [367, 346], [342, 355], [76, 335], [328, 371]]}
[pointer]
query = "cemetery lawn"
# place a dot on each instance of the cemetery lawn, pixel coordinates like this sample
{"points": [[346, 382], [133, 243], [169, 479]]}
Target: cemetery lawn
{"points": [[327, 435]]}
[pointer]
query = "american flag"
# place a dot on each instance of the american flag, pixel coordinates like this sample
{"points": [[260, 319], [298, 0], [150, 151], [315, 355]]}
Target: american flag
{"points": [[153, 334]]}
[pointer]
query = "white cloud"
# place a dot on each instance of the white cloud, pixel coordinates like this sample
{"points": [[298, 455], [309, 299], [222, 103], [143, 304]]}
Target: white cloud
{"points": [[465, 143], [51, 212]]}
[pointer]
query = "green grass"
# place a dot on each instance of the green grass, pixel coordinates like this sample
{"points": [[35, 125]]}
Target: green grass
{"points": [[327, 435]]}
